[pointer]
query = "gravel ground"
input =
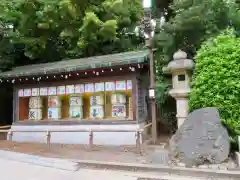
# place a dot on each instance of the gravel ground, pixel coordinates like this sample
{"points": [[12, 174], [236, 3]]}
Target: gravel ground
{"points": [[123, 154]]}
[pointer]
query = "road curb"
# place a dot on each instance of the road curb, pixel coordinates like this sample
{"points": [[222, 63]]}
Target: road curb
{"points": [[40, 161], [181, 171]]}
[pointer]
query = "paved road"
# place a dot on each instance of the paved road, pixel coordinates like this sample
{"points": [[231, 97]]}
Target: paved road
{"points": [[13, 170]]}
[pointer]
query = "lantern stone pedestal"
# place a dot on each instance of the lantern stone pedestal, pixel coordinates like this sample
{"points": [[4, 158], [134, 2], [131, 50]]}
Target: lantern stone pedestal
{"points": [[181, 97], [180, 69]]}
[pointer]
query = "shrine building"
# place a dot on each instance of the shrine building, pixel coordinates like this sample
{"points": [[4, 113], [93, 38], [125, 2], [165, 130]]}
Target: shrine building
{"points": [[106, 92]]}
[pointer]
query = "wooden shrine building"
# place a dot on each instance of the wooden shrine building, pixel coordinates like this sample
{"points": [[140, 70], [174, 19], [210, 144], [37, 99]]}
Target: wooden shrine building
{"points": [[104, 92]]}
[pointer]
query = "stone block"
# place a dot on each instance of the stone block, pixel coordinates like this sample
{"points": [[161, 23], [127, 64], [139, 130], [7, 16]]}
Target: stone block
{"points": [[201, 138]]}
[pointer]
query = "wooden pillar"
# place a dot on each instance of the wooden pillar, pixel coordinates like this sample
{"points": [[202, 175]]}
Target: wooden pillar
{"points": [[90, 140], [134, 98], [138, 144], [48, 139], [10, 135]]}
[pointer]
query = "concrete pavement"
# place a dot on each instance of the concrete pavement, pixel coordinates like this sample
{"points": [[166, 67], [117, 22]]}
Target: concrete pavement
{"points": [[56, 163], [14, 170], [15, 166]]}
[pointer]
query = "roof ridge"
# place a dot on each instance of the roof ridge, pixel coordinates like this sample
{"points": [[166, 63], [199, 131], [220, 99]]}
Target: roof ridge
{"points": [[69, 65], [84, 58]]}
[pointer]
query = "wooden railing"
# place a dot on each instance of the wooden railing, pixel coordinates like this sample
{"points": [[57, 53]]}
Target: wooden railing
{"points": [[138, 134], [5, 127]]}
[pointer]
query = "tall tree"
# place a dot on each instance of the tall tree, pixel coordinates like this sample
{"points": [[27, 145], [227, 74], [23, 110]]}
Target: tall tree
{"points": [[191, 22], [188, 24], [50, 30]]}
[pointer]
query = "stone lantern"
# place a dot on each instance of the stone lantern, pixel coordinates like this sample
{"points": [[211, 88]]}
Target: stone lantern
{"points": [[180, 69]]}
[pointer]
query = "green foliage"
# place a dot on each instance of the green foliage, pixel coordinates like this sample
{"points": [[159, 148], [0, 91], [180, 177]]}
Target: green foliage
{"points": [[216, 80], [188, 24], [50, 30], [191, 23], [166, 105], [234, 14]]}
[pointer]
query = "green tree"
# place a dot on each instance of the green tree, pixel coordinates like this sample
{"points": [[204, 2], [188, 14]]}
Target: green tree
{"points": [[216, 80], [50, 30], [188, 24]]}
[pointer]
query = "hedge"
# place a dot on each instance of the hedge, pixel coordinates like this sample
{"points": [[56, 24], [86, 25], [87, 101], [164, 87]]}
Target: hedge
{"points": [[216, 80]]}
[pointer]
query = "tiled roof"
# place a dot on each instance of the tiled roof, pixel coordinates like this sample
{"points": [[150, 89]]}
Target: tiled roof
{"points": [[77, 64]]}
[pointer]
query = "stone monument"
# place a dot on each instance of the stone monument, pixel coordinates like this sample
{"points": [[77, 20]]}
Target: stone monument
{"points": [[201, 138], [180, 68]]}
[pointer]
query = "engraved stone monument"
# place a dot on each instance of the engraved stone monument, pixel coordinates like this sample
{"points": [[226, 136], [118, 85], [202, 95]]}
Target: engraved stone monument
{"points": [[201, 138]]}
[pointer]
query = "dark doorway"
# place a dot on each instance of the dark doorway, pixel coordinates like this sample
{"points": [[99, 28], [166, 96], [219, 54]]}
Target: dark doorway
{"points": [[6, 104]]}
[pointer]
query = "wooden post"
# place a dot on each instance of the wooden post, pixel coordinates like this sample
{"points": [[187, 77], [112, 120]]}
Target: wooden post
{"points": [[90, 139], [138, 142], [239, 143], [10, 135], [48, 139]]}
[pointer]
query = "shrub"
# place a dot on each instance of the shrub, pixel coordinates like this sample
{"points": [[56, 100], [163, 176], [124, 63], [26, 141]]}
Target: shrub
{"points": [[216, 80]]}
